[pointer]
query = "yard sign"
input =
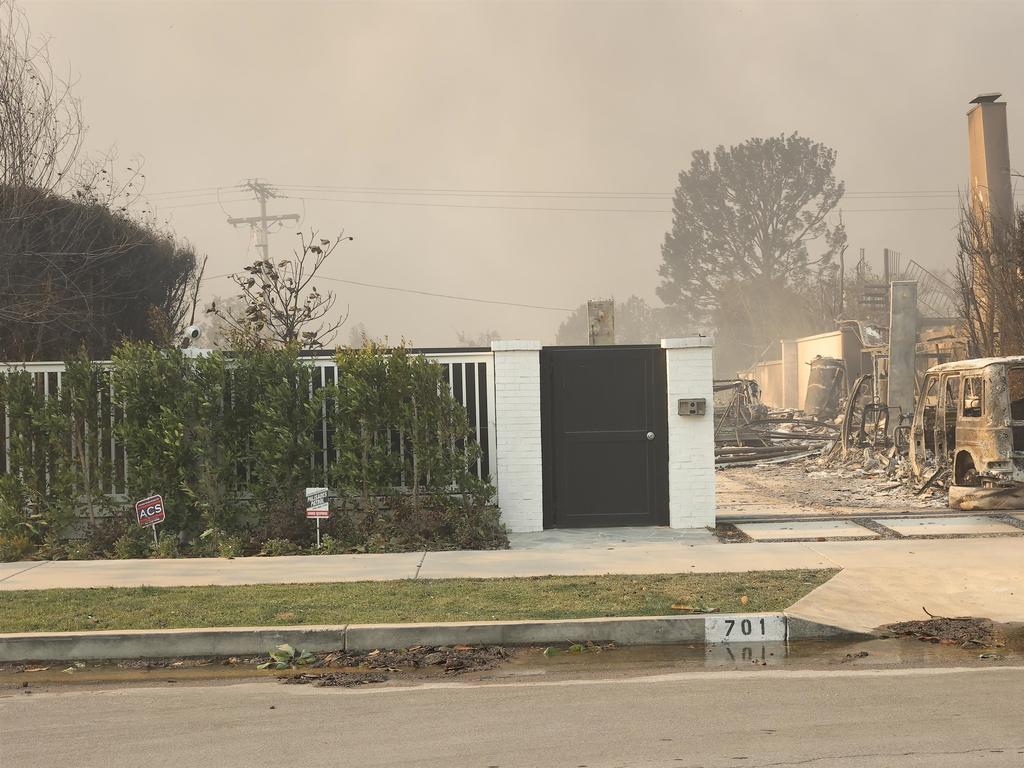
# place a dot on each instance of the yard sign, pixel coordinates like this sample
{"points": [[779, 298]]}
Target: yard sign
{"points": [[317, 507], [316, 503], [150, 511]]}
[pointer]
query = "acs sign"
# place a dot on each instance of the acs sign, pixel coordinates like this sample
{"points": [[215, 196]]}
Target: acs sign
{"points": [[150, 511]]}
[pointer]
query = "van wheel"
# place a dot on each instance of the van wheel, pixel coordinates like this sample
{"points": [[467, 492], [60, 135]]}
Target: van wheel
{"points": [[966, 474]]}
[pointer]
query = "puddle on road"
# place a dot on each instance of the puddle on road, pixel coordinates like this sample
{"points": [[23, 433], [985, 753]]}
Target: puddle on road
{"points": [[881, 653], [533, 664]]}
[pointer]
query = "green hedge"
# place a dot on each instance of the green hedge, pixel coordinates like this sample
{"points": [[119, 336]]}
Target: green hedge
{"points": [[230, 443]]}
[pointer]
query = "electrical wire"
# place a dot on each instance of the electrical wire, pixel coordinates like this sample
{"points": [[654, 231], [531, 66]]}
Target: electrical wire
{"points": [[196, 192], [662, 211], [450, 192], [206, 202], [418, 292], [470, 205], [445, 295]]}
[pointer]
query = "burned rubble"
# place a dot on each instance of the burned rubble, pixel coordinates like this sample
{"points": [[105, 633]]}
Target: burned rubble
{"points": [[849, 431]]}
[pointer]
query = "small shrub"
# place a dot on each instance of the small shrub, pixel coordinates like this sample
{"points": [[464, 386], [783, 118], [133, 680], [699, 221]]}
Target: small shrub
{"points": [[231, 546], [101, 536], [79, 549], [165, 547], [331, 545], [14, 547], [53, 547], [133, 544], [279, 547]]}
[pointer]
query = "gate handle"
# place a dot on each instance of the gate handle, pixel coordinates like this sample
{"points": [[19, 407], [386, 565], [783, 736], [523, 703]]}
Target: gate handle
{"points": [[650, 435]]}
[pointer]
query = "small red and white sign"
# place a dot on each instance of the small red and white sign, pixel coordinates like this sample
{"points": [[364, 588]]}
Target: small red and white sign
{"points": [[316, 503], [150, 511]]}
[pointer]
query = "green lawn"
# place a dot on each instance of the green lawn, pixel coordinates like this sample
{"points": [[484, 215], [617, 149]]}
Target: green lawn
{"points": [[370, 602]]}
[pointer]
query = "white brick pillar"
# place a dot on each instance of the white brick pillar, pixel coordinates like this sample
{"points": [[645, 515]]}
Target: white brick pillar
{"points": [[691, 439], [520, 476]]}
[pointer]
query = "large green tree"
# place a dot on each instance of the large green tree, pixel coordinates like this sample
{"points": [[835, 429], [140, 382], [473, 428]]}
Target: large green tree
{"points": [[751, 243]]}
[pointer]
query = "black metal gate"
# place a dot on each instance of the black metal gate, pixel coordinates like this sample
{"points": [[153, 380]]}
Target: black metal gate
{"points": [[604, 425]]}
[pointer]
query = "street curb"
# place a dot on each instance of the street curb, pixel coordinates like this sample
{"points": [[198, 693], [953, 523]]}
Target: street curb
{"points": [[252, 641], [164, 643]]}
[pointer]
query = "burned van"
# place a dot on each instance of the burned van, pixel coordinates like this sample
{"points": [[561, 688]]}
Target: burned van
{"points": [[970, 418]]}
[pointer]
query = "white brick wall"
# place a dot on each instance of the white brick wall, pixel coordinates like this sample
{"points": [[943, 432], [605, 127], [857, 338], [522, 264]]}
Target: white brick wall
{"points": [[520, 477], [691, 439]]}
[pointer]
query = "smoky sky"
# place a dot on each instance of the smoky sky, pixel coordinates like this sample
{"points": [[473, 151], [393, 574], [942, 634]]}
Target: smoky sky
{"points": [[542, 107]]}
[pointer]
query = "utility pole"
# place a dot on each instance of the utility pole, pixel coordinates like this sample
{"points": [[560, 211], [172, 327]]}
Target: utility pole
{"points": [[260, 224]]}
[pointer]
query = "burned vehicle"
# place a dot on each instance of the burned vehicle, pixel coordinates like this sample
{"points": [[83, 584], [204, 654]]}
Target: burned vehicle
{"points": [[970, 420]]}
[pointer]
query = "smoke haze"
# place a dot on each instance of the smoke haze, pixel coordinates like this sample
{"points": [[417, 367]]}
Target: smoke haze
{"points": [[524, 97]]}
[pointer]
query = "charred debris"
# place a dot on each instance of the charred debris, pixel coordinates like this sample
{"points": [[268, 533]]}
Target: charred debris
{"points": [[842, 426], [964, 435]]}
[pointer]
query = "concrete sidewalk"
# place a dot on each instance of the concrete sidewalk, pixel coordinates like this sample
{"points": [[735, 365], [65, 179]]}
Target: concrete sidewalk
{"points": [[881, 581]]}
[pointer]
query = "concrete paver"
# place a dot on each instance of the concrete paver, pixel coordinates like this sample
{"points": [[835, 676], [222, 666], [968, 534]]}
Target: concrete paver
{"points": [[10, 570], [609, 537], [204, 571], [896, 580], [639, 559], [945, 526], [811, 530]]}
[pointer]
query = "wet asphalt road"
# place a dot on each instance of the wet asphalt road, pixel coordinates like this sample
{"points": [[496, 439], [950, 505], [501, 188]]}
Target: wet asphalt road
{"points": [[845, 718]]}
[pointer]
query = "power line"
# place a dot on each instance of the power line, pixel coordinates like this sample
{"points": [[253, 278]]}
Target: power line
{"points": [[444, 295], [491, 207], [482, 193], [353, 201], [196, 192], [425, 293], [562, 210], [893, 210], [205, 202], [451, 192], [320, 192]]}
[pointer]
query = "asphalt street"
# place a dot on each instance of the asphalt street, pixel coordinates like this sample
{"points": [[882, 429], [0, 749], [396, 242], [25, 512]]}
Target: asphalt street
{"points": [[848, 718]]}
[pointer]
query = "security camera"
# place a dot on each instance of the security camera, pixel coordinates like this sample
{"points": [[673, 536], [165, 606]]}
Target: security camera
{"points": [[191, 333]]}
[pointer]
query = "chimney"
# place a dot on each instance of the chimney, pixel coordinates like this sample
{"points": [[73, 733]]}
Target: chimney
{"points": [[990, 186]]}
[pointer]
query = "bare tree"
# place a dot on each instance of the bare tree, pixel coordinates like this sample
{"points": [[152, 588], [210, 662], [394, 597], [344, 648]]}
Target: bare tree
{"points": [[280, 303], [41, 124], [990, 281]]}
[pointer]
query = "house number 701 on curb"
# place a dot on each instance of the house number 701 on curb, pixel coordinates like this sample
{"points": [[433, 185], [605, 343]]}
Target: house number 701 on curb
{"points": [[744, 628]]}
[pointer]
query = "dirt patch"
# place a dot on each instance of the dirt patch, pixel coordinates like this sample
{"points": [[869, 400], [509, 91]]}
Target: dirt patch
{"points": [[453, 659], [728, 533], [336, 679], [347, 669], [965, 631]]}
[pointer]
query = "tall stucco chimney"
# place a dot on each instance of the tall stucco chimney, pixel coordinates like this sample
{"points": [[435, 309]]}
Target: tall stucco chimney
{"points": [[990, 186]]}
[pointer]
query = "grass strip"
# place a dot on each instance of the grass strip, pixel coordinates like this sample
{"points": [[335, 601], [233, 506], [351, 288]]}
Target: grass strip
{"points": [[387, 602]]}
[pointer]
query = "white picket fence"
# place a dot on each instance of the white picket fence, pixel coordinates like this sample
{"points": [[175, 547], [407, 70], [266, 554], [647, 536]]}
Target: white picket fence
{"points": [[470, 375]]}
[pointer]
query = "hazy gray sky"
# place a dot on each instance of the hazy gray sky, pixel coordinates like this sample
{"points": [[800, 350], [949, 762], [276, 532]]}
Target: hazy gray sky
{"points": [[573, 97]]}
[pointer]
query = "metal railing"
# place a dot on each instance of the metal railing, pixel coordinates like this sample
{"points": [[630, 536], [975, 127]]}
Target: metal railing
{"points": [[470, 377]]}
